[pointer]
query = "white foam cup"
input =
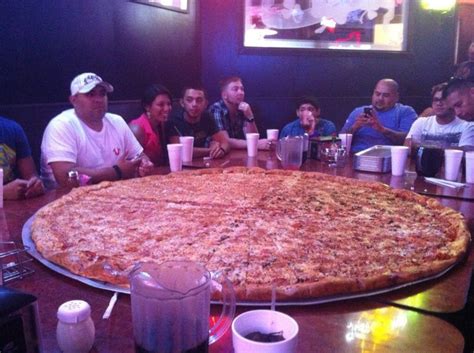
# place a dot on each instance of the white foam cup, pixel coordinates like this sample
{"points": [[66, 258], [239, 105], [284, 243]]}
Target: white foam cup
{"points": [[470, 167], [175, 156], [252, 144], [272, 134], [452, 162], [264, 321], [399, 159], [188, 144]]}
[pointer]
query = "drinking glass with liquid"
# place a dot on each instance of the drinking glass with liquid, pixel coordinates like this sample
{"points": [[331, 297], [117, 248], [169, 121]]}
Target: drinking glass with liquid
{"points": [[171, 307]]}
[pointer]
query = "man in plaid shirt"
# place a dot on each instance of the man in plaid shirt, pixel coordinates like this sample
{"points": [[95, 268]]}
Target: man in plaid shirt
{"points": [[233, 115]]}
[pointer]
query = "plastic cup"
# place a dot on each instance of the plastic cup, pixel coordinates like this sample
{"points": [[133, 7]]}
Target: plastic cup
{"points": [[399, 159], [252, 143], [175, 156], [470, 167], [346, 141], [264, 321], [272, 134], [188, 144], [452, 162]]}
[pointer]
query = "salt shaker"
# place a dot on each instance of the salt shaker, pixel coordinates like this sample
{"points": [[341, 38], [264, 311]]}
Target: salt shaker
{"points": [[75, 331]]}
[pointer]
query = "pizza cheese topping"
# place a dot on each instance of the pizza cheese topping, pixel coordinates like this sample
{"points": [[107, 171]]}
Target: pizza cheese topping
{"points": [[309, 234]]}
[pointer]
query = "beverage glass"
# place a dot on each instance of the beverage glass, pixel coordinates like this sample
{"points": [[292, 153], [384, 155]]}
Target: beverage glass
{"points": [[334, 157], [188, 144], [399, 159], [171, 306], [272, 134], [452, 162], [346, 141], [290, 152], [428, 161], [175, 156], [470, 167], [252, 144]]}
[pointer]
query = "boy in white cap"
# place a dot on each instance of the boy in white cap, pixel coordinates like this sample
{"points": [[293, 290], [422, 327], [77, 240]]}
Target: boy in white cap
{"points": [[90, 141]]}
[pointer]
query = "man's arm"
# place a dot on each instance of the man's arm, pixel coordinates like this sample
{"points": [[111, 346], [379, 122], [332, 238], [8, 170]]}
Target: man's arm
{"points": [[26, 168], [396, 137], [126, 169], [15, 189], [360, 121], [219, 145], [249, 126], [354, 122], [237, 144], [413, 137]]}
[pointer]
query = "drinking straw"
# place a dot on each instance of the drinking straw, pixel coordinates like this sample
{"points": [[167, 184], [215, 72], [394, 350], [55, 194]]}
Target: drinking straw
{"points": [[179, 132]]}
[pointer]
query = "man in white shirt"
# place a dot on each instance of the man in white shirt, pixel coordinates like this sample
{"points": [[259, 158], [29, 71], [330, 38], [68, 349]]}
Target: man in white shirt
{"points": [[444, 128], [90, 141]]}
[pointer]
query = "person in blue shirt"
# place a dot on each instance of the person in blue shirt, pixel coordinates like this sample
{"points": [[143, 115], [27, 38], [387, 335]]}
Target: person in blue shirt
{"points": [[385, 122], [20, 179], [308, 120]]}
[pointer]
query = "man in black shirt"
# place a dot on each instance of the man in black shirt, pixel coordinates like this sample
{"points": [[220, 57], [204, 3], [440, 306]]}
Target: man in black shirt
{"points": [[192, 119]]}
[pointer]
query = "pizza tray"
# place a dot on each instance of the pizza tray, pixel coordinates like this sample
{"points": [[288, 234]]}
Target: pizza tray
{"points": [[31, 249]]}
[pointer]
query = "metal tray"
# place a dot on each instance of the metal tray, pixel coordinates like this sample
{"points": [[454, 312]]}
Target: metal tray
{"points": [[377, 158]]}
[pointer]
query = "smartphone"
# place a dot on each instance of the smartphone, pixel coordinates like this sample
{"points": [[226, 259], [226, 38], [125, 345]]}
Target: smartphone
{"points": [[368, 110]]}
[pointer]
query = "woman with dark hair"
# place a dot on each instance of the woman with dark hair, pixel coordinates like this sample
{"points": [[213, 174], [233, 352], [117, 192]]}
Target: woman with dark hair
{"points": [[149, 128]]}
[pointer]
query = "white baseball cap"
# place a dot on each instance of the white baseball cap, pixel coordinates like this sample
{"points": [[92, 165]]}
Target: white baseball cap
{"points": [[87, 81]]}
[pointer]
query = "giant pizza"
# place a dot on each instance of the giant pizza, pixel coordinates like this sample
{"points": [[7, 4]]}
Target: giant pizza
{"points": [[309, 235]]}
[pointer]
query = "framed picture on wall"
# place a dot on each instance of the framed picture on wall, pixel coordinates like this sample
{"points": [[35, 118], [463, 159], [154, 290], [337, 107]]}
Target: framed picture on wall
{"points": [[174, 5], [358, 25]]}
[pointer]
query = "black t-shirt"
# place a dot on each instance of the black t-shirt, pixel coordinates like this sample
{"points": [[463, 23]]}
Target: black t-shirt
{"points": [[202, 131]]}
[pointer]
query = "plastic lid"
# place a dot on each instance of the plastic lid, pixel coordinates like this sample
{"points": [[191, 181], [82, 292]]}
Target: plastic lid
{"points": [[74, 311]]}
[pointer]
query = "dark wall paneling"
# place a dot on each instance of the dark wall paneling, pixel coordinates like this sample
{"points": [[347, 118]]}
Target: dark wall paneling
{"points": [[342, 80], [44, 44]]}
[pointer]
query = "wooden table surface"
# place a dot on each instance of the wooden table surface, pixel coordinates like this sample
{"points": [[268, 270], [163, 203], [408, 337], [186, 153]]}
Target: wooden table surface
{"points": [[371, 324]]}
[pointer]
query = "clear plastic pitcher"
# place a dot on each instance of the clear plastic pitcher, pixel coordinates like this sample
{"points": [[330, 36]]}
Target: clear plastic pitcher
{"points": [[290, 152], [171, 307]]}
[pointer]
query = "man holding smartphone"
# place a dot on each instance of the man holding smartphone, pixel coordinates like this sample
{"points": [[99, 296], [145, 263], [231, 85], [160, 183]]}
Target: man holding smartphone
{"points": [[385, 122]]}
